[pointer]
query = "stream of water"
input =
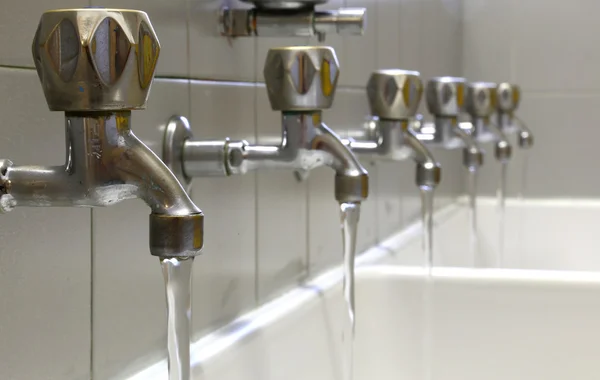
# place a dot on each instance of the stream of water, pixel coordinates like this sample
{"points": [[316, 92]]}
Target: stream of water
{"points": [[501, 195], [177, 273], [349, 214], [472, 193], [427, 343]]}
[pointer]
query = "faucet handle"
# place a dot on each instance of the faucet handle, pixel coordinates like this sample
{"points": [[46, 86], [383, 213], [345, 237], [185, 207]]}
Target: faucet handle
{"points": [[445, 96], [480, 99], [509, 96], [95, 59], [301, 78], [394, 94]]}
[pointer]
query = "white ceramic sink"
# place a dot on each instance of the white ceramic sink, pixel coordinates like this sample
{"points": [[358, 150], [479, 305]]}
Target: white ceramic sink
{"points": [[539, 234], [460, 324]]}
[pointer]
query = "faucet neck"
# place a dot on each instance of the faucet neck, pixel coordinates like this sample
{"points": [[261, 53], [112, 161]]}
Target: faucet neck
{"points": [[444, 129], [480, 126], [299, 128], [505, 120]]}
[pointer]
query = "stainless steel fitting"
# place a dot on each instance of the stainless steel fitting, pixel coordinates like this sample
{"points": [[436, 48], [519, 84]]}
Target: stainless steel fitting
{"points": [[297, 18], [394, 97], [97, 65], [300, 82], [480, 104], [509, 96], [445, 102]]}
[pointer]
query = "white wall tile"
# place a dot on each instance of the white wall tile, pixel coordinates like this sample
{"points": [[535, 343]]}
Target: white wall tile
{"points": [[552, 45], [129, 324], [225, 274], [45, 257], [282, 208], [561, 162], [359, 57], [213, 56], [441, 35], [487, 32], [390, 178], [169, 19], [18, 23]]}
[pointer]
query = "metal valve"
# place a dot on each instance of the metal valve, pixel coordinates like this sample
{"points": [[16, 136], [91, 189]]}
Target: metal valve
{"points": [[274, 18], [394, 97], [509, 96], [480, 103], [445, 96], [480, 100], [95, 59], [301, 78], [394, 94]]}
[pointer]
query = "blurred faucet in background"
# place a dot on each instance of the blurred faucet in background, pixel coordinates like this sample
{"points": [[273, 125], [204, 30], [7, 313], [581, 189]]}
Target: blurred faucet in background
{"points": [[509, 96], [394, 96]]}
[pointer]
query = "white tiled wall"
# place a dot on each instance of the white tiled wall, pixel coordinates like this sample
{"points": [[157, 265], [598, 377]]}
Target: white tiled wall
{"points": [[81, 296], [547, 47]]}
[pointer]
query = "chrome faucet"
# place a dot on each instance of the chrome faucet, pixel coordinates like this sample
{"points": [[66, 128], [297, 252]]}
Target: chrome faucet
{"points": [[509, 96], [480, 104], [445, 101], [97, 65], [300, 82], [290, 18], [394, 97]]}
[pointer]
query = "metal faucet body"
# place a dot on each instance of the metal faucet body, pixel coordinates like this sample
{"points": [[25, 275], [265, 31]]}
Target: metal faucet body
{"points": [[276, 18], [481, 101], [306, 144], [445, 101], [509, 96], [105, 162], [300, 82], [394, 96]]}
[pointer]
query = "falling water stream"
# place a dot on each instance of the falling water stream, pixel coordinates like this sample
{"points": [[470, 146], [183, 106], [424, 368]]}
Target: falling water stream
{"points": [[427, 215], [350, 213], [472, 191], [177, 273], [522, 210], [501, 195]]}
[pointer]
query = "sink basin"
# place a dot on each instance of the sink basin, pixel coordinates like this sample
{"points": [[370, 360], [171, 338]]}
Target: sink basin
{"points": [[458, 323]]}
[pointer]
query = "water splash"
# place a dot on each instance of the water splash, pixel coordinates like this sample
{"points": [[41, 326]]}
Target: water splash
{"points": [[177, 273], [472, 193], [350, 214], [501, 195]]}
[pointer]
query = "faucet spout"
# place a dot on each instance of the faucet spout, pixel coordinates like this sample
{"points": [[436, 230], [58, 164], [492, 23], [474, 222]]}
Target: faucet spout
{"points": [[428, 169], [351, 178], [472, 153], [525, 136], [502, 149]]}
